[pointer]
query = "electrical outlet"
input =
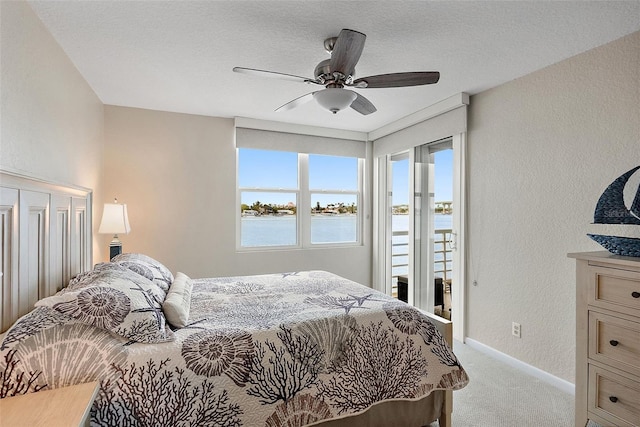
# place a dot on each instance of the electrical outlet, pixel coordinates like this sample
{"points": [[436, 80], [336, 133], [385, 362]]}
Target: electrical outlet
{"points": [[515, 329]]}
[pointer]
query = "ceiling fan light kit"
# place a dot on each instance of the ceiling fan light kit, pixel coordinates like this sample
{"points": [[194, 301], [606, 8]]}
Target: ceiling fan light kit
{"points": [[339, 71], [334, 99]]}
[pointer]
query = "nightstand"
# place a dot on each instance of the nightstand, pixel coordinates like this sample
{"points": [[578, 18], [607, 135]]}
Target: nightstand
{"points": [[61, 407]]}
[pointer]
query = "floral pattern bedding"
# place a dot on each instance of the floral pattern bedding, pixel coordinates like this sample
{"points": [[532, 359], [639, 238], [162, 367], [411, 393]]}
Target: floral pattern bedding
{"points": [[271, 350]]}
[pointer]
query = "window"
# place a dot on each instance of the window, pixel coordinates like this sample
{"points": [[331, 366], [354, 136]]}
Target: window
{"points": [[333, 188], [292, 199]]}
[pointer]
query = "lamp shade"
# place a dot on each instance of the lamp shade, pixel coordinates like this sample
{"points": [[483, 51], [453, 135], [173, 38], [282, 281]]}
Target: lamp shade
{"points": [[335, 99], [114, 219]]}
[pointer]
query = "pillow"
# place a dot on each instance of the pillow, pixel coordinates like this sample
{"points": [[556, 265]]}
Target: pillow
{"points": [[146, 266], [118, 300], [90, 277], [177, 304]]}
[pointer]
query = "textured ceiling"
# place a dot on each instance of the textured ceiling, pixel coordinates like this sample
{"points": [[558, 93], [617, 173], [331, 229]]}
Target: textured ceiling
{"points": [[178, 55]]}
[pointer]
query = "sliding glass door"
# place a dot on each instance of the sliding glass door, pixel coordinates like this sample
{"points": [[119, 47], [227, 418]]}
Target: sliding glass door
{"points": [[400, 221], [421, 209], [433, 235]]}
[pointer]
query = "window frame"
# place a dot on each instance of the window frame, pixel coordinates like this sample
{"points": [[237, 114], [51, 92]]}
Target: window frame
{"points": [[303, 198]]}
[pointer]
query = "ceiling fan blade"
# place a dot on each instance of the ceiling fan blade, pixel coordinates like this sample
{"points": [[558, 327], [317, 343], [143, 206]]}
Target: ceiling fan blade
{"points": [[362, 105], [273, 75], [347, 51], [398, 79], [296, 102]]}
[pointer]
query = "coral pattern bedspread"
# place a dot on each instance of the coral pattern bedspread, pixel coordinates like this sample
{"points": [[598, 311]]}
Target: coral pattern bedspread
{"points": [[270, 350]]}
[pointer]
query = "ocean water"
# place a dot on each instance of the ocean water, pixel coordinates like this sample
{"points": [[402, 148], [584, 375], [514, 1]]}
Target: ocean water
{"points": [[401, 222], [281, 230]]}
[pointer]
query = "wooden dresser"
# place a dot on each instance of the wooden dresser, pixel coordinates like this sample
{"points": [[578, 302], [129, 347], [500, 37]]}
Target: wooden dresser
{"points": [[607, 339]]}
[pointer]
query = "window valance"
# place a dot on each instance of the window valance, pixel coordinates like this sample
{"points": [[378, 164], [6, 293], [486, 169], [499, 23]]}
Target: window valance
{"points": [[283, 141]]}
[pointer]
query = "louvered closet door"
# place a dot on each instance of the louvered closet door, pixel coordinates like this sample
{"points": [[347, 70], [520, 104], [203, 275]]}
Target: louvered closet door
{"points": [[8, 254]]}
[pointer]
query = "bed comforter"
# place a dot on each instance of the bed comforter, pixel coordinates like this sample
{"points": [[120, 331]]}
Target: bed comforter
{"points": [[271, 350]]}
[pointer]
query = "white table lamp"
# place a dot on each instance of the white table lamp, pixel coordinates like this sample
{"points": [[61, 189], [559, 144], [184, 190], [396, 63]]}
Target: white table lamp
{"points": [[114, 221]]}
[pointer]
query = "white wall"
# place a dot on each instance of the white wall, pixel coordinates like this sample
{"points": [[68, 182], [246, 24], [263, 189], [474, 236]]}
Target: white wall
{"points": [[541, 149], [51, 122], [177, 174]]}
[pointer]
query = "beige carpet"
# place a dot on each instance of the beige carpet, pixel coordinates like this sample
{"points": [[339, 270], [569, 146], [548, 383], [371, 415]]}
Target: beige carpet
{"points": [[501, 396]]}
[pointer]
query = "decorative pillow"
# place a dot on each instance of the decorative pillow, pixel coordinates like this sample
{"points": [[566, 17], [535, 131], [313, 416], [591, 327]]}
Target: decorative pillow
{"points": [[177, 304], [119, 301], [146, 266]]}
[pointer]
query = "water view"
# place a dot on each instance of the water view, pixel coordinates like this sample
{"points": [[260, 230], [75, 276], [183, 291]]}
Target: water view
{"points": [[281, 230]]}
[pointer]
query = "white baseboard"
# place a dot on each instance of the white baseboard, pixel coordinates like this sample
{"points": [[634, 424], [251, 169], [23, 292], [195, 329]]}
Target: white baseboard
{"points": [[559, 383]]}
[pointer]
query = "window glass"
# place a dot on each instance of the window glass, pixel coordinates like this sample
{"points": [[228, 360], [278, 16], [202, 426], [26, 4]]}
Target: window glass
{"points": [[268, 219], [267, 169], [334, 218], [333, 172], [270, 196]]}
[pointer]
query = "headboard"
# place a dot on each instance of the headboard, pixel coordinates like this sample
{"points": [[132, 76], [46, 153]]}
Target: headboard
{"points": [[46, 239]]}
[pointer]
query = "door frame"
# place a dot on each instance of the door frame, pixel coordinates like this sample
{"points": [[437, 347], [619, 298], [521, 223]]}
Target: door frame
{"points": [[459, 221], [382, 229]]}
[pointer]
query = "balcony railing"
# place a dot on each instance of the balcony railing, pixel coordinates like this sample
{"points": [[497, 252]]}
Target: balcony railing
{"points": [[441, 254]]}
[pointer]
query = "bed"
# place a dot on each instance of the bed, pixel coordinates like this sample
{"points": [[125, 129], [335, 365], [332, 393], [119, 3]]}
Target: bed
{"points": [[288, 349]]}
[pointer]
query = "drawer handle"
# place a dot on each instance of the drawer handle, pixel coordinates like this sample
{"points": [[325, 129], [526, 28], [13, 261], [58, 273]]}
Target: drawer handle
{"points": [[635, 294], [614, 343], [613, 399]]}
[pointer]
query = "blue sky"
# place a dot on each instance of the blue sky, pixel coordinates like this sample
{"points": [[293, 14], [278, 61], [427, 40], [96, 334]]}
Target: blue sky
{"points": [[443, 178], [278, 169]]}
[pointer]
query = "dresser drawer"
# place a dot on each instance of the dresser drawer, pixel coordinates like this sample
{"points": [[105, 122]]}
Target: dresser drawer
{"points": [[614, 397], [615, 289], [615, 341]]}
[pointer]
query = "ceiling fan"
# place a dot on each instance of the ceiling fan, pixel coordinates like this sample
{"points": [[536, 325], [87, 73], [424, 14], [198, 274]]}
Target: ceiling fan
{"points": [[338, 72]]}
